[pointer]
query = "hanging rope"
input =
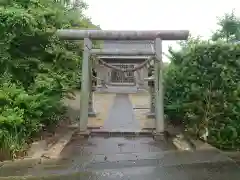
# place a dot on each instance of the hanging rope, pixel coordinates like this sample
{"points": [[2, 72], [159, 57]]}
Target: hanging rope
{"points": [[103, 82], [125, 70], [97, 78], [146, 63]]}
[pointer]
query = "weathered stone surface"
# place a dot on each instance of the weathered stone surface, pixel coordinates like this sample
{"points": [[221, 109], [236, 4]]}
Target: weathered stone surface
{"points": [[121, 115], [75, 34], [152, 100]]}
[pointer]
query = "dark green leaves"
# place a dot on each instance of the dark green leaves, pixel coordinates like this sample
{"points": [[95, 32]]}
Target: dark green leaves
{"points": [[202, 89]]}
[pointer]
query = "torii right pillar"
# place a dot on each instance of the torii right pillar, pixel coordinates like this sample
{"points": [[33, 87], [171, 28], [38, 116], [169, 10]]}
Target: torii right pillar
{"points": [[159, 102]]}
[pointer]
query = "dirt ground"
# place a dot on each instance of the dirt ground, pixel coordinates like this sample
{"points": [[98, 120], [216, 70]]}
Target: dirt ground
{"points": [[101, 103], [141, 105]]}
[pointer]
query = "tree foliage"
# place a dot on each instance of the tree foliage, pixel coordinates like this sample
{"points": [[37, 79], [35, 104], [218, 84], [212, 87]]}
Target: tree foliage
{"points": [[36, 68], [202, 90], [229, 28]]}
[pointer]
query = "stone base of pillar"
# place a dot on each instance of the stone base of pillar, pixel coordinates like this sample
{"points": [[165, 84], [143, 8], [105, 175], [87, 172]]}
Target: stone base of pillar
{"points": [[91, 113], [84, 133], [101, 87], [161, 136], [150, 115]]}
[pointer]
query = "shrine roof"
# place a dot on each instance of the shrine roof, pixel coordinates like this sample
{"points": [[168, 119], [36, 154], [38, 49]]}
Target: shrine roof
{"points": [[140, 45]]}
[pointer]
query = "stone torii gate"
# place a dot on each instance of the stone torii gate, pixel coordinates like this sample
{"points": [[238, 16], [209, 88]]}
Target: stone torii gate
{"points": [[88, 35]]}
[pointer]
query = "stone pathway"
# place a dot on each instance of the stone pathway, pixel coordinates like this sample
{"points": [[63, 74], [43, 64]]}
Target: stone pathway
{"points": [[121, 116], [119, 89]]}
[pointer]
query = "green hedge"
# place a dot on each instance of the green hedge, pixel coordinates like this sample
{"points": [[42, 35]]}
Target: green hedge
{"points": [[36, 68], [202, 90], [23, 114]]}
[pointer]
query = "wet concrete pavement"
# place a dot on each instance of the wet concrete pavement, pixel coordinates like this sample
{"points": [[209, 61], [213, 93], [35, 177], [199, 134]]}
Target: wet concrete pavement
{"points": [[144, 158], [89, 154], [120, 158], [199, 171], [121, 116]]}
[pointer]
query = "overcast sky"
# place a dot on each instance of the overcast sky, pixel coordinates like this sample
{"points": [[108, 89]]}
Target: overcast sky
{"points": [[197, 16]]}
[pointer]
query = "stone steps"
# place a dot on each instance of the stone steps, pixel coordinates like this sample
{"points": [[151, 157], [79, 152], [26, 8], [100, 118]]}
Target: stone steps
{"points": [[160, 159], [121, 132]]}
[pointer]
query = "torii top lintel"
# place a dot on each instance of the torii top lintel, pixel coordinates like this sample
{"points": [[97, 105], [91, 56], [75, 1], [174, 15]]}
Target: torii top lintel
{"points": [[73, 34]]}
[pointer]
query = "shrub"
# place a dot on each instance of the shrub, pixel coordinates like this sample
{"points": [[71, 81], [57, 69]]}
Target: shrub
{"points": [[36, 68], [23, 113], [202, 90]]}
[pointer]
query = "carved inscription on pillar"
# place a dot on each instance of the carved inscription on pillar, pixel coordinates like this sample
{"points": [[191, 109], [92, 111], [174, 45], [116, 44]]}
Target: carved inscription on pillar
{"points": [[151, 85], [90, 102], [152, 96], [91, 89]]}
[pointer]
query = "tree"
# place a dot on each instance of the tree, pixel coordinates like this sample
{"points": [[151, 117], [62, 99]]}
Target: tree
{"points": [[201, 86], [229, 28], [36, 68]]}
